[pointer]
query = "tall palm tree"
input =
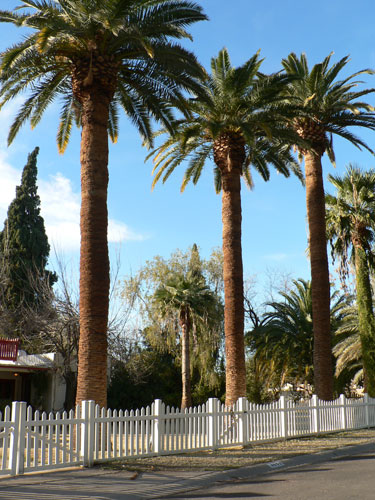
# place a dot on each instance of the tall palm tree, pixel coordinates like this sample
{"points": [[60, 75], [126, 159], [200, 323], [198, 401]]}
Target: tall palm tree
{"points": [[98, 57], [351, 227], [329, 106], [194, 302], [238, 121]]}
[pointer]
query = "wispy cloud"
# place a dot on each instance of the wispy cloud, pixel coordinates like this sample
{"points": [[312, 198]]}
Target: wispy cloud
{"points": [[60, 204], [60, 207]]}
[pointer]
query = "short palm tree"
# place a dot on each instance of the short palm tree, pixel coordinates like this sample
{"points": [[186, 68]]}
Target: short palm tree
{"points": [[194, 303], [351, 229], [238, 121], [98, 57], [328, 106]]}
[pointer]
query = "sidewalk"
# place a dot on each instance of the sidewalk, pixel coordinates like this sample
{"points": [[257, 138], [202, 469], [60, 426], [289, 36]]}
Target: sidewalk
{"points": [[105, 484]]}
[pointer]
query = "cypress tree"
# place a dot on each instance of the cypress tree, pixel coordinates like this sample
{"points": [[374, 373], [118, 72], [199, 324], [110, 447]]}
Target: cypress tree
{"points": [[24, 246], [195, 266]]}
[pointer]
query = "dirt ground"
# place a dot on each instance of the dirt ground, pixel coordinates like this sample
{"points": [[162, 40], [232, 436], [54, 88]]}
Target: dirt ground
{"points": [[230, 458]]}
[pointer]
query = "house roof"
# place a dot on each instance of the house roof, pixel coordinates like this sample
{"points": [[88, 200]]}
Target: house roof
{"points": [[29, 362]]}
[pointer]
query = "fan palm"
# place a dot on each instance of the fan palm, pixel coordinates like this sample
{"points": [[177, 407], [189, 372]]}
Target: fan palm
{"points": [[237, 121], [194, 302], [329, 106], [98, 57], [351, 227]]}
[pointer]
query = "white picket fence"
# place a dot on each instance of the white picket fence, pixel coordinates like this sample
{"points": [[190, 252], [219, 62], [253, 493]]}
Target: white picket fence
{"points": [[30, 441]]}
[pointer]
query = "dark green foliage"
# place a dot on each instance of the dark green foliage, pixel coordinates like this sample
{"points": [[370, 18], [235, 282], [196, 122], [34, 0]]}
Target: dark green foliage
{"points": [[24, 246], [283, 344], [366, 320], [145, 376], [257, 389]]}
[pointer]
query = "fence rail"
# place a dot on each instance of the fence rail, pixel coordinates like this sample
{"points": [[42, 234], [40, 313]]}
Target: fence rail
{"points": [[33, 441]]}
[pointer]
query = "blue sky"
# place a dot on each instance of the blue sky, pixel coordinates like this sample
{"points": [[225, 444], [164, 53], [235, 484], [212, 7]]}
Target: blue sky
{"points": [[146, 223]]}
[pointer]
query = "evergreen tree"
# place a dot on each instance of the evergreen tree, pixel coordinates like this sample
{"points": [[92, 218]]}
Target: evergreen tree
{"points": [[24, 246]]}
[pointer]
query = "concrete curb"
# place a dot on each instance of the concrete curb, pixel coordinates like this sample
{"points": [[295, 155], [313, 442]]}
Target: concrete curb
{"points": [[252, 471]]}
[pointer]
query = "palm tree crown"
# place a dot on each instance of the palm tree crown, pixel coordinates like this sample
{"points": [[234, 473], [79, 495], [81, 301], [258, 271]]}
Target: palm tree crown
{"points": [[328, 106], [351, 215], [238, 120], [120, 47], [238, 109], [98, 57]]}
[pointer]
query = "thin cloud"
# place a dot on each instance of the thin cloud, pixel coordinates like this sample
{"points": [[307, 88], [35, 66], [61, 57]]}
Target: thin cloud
{"points": [[60, 207]]}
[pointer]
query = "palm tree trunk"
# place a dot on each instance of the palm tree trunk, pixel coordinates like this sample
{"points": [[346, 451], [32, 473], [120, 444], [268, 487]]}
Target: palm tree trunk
{"points": [[366, 319], [233, 286], [186, 401], [320, 287], [94, 260]]}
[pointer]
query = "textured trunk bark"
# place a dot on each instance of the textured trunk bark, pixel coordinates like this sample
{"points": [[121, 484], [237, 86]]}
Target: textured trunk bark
{"points": [[233, 287], [94, 261], [320, 287], [185, 360], [365, 319]]}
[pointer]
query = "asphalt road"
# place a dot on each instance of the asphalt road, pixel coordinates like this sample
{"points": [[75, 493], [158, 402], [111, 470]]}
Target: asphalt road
{"points": [[342, 474], [341, 479]]}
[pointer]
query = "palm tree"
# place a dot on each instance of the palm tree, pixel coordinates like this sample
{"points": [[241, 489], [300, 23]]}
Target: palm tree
{"points": [[98, 57], [329, 106], [351, 226], [237, 122], [283, 344], [348, 350], [194, 303]]}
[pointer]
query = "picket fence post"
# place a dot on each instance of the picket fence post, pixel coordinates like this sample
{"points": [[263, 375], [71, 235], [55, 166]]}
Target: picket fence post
{"points": [[344, 421], [283, 417], [366, 404], [315, 414], [17, 438], [212, 423], [87, 432], [242, 421], [158, 427]]}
